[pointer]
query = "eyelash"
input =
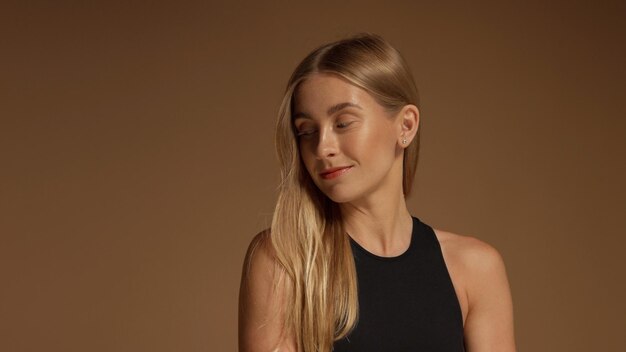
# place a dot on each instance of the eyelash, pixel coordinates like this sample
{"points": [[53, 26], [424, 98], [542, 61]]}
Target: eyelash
{"points": [[345, 124], [306, 133]]}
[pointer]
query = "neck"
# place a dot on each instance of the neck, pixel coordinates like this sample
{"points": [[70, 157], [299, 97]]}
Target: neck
{"points": [[381, 223]]}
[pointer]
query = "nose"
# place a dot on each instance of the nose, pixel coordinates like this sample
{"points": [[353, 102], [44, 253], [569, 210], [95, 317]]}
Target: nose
{"points": [[327, 144]]}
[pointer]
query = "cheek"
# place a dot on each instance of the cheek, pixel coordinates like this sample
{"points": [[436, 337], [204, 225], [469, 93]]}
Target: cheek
{"points": [[307, 158], [372, 143]]}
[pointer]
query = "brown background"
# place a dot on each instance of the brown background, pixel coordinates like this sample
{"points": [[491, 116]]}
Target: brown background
{"points": [[137, 159]]}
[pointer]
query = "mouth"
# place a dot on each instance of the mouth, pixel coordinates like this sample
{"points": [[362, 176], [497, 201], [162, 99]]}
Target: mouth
{"points": [[334, 172]]}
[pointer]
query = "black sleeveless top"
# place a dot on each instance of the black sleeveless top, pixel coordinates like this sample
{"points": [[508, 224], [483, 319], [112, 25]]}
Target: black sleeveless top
{"points": [[406, 303]]}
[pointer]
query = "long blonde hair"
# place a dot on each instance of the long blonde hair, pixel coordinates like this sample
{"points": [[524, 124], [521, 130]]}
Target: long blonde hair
{"points": [[312, 250]]}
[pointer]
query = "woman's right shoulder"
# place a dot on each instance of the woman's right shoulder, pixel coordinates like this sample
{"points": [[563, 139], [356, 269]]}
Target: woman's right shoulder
{"points": [[262, 237], [260, 246], [260, 301], [260, 263]]}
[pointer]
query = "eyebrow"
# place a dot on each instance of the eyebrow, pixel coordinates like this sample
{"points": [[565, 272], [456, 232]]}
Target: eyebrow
{"points": [[333, 109]]}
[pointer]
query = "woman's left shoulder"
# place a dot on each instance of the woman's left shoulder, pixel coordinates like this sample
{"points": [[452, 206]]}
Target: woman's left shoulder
{"points": [[468, 251], [479, 275]]}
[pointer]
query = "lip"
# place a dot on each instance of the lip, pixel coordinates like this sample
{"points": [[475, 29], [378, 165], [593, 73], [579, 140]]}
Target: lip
{"points": [[334, 172]]}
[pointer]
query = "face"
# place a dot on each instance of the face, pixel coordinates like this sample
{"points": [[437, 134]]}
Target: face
{"points": [[348, 142]]}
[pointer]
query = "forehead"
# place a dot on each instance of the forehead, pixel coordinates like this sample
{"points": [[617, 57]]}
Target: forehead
{"points": [[320, 91]]}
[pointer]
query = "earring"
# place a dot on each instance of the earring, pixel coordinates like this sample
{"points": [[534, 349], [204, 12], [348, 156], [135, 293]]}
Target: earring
{"points": [[403, 140]]}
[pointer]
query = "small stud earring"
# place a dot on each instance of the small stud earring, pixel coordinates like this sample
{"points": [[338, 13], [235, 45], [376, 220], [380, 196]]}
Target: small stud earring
{"points": [[403, 141]]}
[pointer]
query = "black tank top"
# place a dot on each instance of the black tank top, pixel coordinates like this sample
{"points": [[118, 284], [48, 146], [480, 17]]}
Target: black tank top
{"points": [[406, 303]]}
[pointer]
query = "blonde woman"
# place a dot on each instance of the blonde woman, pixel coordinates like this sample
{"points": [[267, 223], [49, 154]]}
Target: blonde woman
{"points": [[345, 266]]}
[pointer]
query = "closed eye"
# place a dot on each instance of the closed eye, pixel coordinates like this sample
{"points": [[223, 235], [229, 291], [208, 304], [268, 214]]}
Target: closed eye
{"points": [[305, 133], [343, 124]]}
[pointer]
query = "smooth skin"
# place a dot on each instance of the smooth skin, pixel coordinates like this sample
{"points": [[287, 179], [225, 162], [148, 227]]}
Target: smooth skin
{"points": [[339, 124]]}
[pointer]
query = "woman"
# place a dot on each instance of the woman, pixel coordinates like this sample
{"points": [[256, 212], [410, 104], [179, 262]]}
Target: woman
{"points": [[345, 266]]}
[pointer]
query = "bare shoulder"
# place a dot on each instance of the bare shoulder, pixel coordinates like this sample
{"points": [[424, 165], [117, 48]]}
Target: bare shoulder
{"points": [[468, 251], [259, 251], [258, 273], [261, 239], [479, 275], [472, 260], [472, 265], [261, 299]]}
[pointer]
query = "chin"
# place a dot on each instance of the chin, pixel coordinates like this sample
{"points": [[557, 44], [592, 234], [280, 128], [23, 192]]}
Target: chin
{"points": [[339, 196]]}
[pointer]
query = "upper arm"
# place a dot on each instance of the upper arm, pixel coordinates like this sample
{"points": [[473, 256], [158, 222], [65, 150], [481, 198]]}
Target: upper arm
{"points": [[489, 323], [260, 318]]}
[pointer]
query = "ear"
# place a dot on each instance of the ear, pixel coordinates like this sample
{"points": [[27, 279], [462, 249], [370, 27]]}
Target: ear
{"points": [[408, 123]]}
